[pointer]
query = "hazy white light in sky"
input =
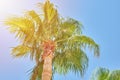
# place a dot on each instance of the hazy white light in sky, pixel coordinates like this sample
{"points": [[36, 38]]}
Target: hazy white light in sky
{"points": [[6, 6], [14, 7]]}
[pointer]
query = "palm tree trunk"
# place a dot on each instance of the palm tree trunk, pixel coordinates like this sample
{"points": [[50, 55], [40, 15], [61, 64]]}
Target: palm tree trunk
{"points": [[47, 67]]}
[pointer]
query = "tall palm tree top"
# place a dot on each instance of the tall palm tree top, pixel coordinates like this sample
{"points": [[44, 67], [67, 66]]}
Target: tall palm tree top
{"points": [[33, 30]]}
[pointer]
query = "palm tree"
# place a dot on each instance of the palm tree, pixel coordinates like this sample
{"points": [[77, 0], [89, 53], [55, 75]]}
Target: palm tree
{"points": [[105, 74], [55, 43]]}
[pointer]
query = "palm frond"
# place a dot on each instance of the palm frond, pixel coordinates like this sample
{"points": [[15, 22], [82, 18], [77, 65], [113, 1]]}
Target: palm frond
{"points": [[115, 75], [34, 16], [105, 74], [70, 60], [51, 20], [81, 41], [100, 74], [50, 13], [21, 27], [84, 42], [20, 50], [69, 27]]}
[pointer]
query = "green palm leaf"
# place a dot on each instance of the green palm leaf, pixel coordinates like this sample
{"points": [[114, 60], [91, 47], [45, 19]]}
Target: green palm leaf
{"points": [[50, 13], [115, 75], [20, 51], [105, 74], [84, 42], [67, 61], [21, 27]]}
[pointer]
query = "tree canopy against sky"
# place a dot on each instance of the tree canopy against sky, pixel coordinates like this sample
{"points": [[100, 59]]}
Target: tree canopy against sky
{"points": [[47, 31], [105, 74]]}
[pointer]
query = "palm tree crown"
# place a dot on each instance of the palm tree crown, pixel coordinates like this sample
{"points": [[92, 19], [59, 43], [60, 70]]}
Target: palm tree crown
{"points": [[105, 74], [65, 34]]}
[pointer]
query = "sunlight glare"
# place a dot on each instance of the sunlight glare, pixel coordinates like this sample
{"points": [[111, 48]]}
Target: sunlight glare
{"points": [[5, 7]]}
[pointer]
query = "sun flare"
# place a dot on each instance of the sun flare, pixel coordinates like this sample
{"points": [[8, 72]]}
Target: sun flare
{"points": [[6, 6]]}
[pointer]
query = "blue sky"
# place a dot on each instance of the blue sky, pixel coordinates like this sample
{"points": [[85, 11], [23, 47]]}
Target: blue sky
{"points": [[101, 22]]}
